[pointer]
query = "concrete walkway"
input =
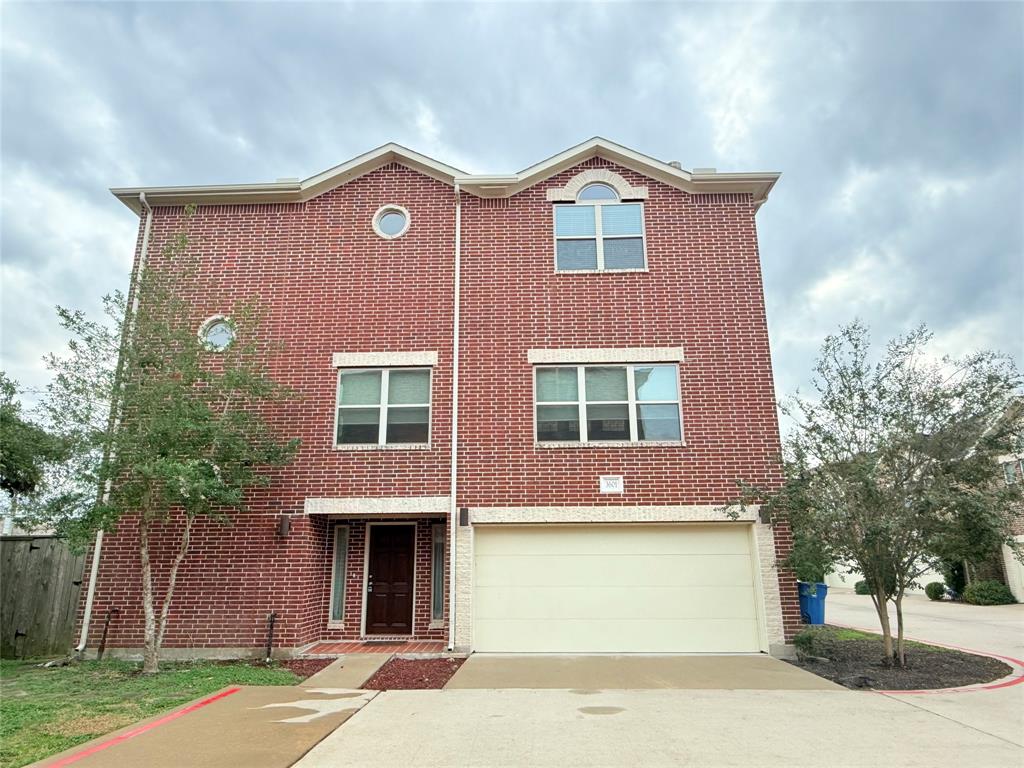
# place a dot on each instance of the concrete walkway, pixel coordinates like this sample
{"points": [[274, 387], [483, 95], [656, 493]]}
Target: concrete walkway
{"points": [[634, 672], [255, 727], [997, 629], [549, 729]]}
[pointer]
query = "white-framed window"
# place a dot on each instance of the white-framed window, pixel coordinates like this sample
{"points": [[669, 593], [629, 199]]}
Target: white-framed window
{"points": [[600, 403], [391, 221], [217, 332], [437, 573], [1013, 471], [599, 232], [383, 406], [339, 566]]}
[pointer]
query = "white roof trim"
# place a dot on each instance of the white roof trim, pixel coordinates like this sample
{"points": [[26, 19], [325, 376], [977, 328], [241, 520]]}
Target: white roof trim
{"points": [[382, 359], [482, 185], [379, 506], [612, 355]]}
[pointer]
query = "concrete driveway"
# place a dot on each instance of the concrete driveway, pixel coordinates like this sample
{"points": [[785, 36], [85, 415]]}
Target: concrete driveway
{"points": [[538, 671], [557, 728], [997, 629]]}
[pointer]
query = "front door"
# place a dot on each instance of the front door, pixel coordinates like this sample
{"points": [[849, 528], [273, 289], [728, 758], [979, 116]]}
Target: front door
{"points": [[389, 580]]}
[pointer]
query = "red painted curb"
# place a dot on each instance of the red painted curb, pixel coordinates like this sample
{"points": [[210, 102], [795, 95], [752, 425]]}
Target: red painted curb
{"points": [[1014, 678], [140, 730]]}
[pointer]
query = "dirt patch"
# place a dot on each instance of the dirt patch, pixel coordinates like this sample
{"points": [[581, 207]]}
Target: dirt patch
{"points": [[88, 725], [413, 674], [304, 667], [858, 663]]}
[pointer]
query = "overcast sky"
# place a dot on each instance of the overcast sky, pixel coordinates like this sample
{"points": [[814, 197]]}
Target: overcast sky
{"points": [[897, 128]]}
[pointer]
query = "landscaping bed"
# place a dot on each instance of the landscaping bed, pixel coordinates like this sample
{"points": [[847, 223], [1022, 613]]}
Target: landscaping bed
{"points": [[45, 710], [413, 674], [303, 668], [855, 659]]}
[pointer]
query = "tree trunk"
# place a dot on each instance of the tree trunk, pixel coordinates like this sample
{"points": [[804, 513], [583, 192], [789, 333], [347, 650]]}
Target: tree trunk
{"points": [[882, 609], [151, 647], [901, 645], [172, 580]]}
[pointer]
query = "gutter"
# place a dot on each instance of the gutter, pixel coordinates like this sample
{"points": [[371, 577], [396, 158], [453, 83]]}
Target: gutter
{"points": [[453, 510], [97, 549]]}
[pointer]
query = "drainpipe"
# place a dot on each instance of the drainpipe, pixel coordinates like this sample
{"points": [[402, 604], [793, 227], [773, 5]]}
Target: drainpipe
{"points": [[453, 511], [90, 594]]}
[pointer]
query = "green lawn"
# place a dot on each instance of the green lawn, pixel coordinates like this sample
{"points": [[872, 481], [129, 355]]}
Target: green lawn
{"points": [[44, 711], [842, 633]]}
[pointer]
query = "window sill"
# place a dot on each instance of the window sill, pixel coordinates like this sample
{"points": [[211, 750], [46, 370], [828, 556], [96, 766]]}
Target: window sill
{"points": [[435, 624], [379, 447], [610, 444], [598, 271], [331, 624]]}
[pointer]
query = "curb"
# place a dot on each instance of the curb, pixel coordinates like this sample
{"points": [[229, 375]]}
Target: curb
{"points": [[1016, 676]]}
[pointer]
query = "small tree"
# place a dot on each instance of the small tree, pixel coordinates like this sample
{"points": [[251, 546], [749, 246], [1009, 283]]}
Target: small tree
{"points": [[27, 450], [168, 430], [887, 459]]}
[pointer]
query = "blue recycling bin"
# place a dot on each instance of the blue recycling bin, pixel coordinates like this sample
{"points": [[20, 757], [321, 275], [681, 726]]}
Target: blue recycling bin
{"points": [[812, 602]]}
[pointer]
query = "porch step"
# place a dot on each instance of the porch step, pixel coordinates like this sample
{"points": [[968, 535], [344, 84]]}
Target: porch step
{"points": [[376, 646]]}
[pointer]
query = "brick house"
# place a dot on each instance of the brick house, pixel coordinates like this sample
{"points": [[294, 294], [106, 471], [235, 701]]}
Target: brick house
{"points": [[523, 399]]}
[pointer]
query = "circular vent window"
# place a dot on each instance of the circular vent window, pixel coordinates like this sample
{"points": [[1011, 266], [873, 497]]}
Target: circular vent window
{"points": [[391, 221], [217, 333]]}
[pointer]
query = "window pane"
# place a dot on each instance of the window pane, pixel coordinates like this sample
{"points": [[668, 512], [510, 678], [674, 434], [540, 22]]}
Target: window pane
{"points": [[558, 422], [358, 425], [606, 384], [657, 422], [408, 425], [408, 387], [608, 422], [597, 192], [621, 220], [624, 253], [574, 220], [437, 580], [340, 557], [656, 382], [557, 385], [362, 388], [577, 254]]}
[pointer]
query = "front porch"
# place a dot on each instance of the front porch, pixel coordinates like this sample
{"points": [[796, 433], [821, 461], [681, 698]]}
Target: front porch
{"points": [[386, 586]]}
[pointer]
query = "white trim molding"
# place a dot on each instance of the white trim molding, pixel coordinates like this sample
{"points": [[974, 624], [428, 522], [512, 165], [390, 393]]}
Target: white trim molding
{"points": [[616, 355], [427, 506], [614, 514], [382, 359], [572, 188]]}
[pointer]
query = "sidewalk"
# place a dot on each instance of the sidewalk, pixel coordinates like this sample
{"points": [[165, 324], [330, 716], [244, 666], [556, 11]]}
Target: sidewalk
{"points": [[238, 727]]}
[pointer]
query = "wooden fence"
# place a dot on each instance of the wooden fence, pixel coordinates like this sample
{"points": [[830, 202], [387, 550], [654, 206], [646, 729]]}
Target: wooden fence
{"points": [[40, 581]]}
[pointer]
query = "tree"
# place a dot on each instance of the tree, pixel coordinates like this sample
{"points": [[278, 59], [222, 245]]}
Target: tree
{"points": [[167, 430], [26, 449], [888, 459]]}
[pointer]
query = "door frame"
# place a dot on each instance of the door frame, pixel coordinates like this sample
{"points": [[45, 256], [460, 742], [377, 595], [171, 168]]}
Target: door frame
{"points": [[366, 571]]}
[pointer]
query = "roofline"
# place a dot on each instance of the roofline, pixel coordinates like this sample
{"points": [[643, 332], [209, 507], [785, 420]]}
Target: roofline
{"points": [[482, 185]]}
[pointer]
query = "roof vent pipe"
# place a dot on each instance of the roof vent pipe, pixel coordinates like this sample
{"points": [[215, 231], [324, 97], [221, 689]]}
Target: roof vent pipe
{"points": [[676, 164]]}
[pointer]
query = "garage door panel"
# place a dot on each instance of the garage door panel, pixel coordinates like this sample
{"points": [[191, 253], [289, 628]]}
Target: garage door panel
{"points": [[614, 589], [598, 571], [611, 636], [626, 603], [646, 538]]}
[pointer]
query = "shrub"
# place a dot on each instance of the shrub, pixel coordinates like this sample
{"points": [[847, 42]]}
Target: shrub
{"points": [[862, 588], [816, 641], [988, 593], [953, 574], [935, 590]]}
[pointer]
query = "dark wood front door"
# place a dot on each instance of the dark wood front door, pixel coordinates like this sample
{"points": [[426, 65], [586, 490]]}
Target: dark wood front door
{"points": [[389, 580]]}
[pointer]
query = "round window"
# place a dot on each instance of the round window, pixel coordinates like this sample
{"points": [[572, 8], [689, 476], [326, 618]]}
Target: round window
{"points": [[391, 221], [597, 192], [217, 333]]}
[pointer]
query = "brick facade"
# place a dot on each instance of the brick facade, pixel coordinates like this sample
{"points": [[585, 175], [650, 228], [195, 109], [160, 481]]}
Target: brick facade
{"points": [[329, 284]]}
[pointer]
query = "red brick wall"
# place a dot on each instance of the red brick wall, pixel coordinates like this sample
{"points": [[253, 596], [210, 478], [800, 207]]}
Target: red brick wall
{"points": [[329, 284]]}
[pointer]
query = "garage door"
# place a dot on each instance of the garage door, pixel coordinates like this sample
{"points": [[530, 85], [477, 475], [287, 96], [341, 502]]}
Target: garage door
{"points": [[614, 589]]}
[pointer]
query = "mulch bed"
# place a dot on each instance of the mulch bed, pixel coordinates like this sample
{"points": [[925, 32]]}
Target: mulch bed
{"points": [[302, 667], [413, 674], [858, 664]]}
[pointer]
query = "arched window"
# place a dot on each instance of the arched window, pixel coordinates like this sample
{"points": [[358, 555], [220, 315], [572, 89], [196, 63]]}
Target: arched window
{"points": [[599, 232]]}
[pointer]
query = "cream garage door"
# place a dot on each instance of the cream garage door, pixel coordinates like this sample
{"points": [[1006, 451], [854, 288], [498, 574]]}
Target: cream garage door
{"points": [[648, 588]]}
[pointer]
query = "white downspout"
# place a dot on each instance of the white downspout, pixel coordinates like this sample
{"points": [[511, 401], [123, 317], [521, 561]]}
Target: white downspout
{"points": [[90, 594], [453, 512]]}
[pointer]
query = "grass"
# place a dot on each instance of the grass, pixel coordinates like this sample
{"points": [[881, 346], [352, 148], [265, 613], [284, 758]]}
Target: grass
{"points": [[842, 633], [45, 711]]}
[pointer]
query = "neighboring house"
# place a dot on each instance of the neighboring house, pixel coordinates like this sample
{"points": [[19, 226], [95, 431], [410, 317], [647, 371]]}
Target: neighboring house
{"points": [[1013, 569], [603, 315]]}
